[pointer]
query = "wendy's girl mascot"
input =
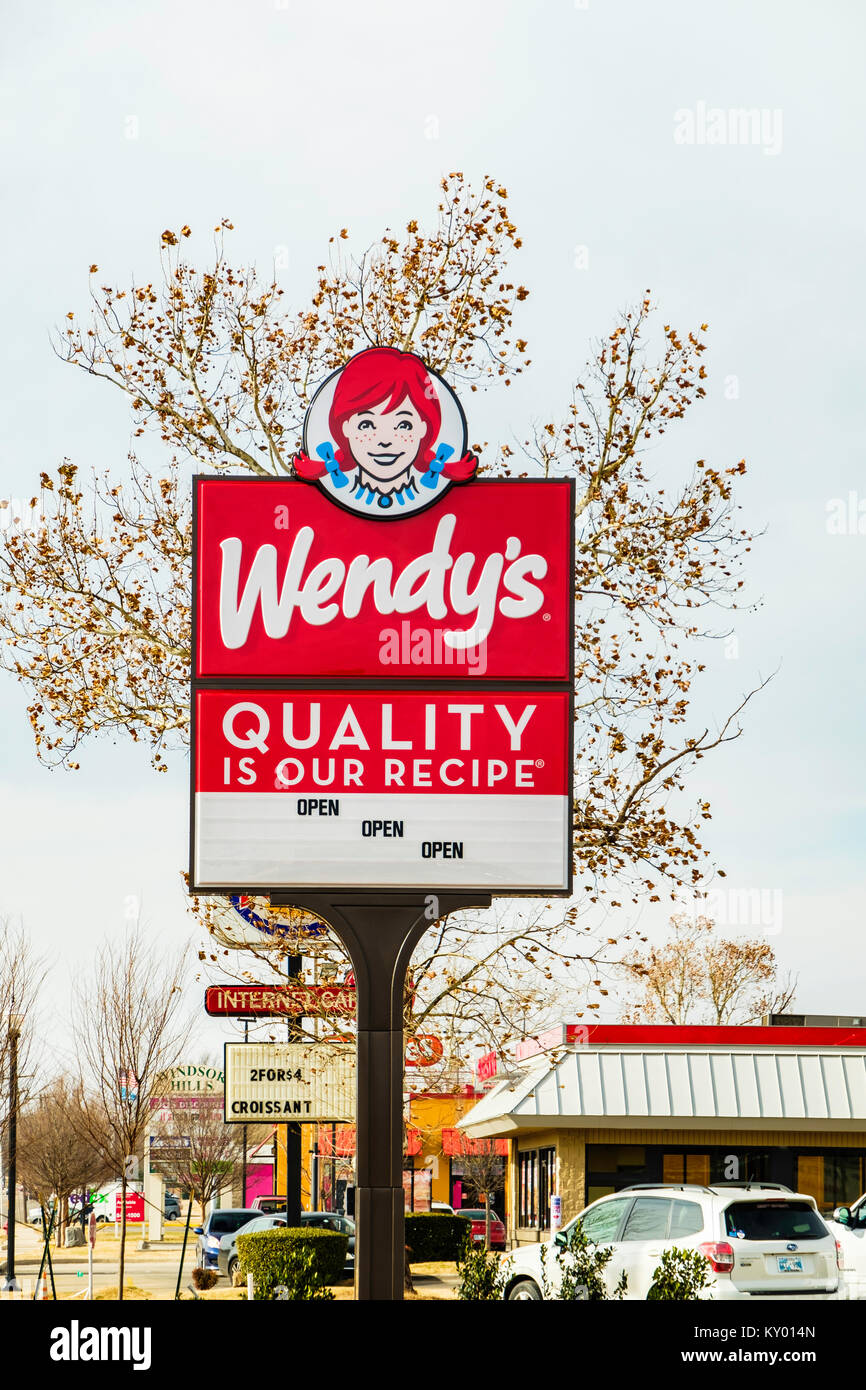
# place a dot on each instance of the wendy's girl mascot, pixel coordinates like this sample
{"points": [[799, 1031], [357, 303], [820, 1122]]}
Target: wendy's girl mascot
{"points": [[385, 435]]}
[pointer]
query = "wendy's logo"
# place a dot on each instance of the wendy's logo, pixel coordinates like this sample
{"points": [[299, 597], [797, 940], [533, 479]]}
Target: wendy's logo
{"points": [[385, 436]]}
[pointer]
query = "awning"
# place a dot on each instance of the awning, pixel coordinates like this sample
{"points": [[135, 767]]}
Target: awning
{"points": [[710, 1088]]}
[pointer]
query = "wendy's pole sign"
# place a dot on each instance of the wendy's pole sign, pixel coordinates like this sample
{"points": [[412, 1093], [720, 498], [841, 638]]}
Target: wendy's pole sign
{"points": [[382, 701]]}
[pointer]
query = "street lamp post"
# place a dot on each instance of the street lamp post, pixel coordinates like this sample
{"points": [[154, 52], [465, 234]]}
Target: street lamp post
{"points": [[15, 1022]]}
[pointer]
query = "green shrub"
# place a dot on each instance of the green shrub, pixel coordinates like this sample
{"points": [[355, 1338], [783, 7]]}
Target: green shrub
{"points": [[303, 1258], [435, 1235], [581, 1265], [682, 1275], [481, 1276]]}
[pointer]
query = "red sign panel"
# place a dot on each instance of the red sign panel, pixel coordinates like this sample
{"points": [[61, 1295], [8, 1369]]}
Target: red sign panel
{"points": [[343, 1145], [134, 1207], [424, 1050], [268, 1001], [290, 585], [487, 1066], [382, 788], [456, 1144]]}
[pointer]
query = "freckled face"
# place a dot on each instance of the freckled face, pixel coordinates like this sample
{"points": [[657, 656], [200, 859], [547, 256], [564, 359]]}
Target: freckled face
{"points": [[385, 443]]}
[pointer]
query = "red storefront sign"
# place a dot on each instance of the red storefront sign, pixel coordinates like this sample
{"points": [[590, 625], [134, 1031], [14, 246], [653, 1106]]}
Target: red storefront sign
{"points": [[424, 1050], [342, 1145], [456, 1144], [274, 1000], [487, 1066], [288, 585]]}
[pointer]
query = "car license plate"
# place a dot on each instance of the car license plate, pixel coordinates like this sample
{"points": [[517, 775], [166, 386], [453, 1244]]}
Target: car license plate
{"points": [[790, 1264]]}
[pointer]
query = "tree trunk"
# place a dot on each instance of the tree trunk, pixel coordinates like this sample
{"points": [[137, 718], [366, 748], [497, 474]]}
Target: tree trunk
{"points": [[122, 1234], [487, 1221]]}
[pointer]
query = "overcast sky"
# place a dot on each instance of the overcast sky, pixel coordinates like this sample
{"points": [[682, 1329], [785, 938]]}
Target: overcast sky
{"points": [[295, 119]]}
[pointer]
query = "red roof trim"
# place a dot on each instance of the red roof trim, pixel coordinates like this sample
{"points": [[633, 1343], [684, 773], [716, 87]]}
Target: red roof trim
{"points": [[710, 1035]]}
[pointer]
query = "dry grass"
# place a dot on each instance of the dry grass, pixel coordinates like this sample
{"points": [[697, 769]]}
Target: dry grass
{"points": [[221, 1295], [343, 1295], [107, 1248], [131, 1292]]}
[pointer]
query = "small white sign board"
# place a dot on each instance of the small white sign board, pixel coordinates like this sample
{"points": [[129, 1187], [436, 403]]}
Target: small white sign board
{"points": [[289, 1083]]}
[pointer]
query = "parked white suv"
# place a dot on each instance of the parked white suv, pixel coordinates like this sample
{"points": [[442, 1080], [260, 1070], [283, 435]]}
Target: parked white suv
{"points": [[763, 1242], [848, 1225]]}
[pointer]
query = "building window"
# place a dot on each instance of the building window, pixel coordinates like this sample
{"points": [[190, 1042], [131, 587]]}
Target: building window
{"points": [[536, 1176], [417, 1187], [833, 1179], [719, 1165]]}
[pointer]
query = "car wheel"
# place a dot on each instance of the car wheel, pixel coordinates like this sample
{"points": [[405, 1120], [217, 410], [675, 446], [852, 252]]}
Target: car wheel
{"points": [[233, 1268], [525, 1290]]}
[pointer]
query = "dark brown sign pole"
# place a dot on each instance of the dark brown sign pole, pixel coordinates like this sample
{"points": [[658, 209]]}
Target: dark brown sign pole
{"points": [[380, 937], [293, 1131]]}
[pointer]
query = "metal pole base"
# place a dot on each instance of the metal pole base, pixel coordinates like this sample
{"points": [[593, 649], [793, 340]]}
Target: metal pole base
{"points": [[380, 936], [379, 1215]]}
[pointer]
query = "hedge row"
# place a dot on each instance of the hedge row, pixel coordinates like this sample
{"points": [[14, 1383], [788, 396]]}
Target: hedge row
{"points": [[434, 1235], [292, 1255]]}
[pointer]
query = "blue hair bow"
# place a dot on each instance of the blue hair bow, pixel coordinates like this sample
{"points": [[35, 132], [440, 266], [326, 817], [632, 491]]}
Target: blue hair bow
{"points": [[431, 477], [326, 454]]}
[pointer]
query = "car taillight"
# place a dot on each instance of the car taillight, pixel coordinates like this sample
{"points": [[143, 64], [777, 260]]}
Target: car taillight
{"points": [[720, 1255], [840, 1258]]}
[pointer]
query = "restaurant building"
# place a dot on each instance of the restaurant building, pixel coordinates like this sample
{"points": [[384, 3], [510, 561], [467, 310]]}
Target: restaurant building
{"points": [[598, 1108]]}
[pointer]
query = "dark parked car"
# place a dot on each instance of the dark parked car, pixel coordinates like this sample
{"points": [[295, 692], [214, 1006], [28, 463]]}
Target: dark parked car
{"points": [[171, 1207], [227, 1254], [269, 1206], [220, 1223], [227, 1257], [334, 1221]]}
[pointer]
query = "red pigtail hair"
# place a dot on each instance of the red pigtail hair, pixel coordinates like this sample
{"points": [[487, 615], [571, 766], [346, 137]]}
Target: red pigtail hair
{"points": [[458, 470], [312, 469]]}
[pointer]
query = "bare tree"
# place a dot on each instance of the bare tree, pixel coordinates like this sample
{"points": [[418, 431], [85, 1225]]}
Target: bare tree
{"points": [[215, 1148], [22, 973], [55, 1157], [97, 614], [129, 1027], [699, 976], [483, 1170]]}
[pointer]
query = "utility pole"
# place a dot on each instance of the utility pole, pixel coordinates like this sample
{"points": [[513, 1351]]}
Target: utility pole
{"points": [[244, 1164], [314, 1176], [333, 1167], [15, 1022]]}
